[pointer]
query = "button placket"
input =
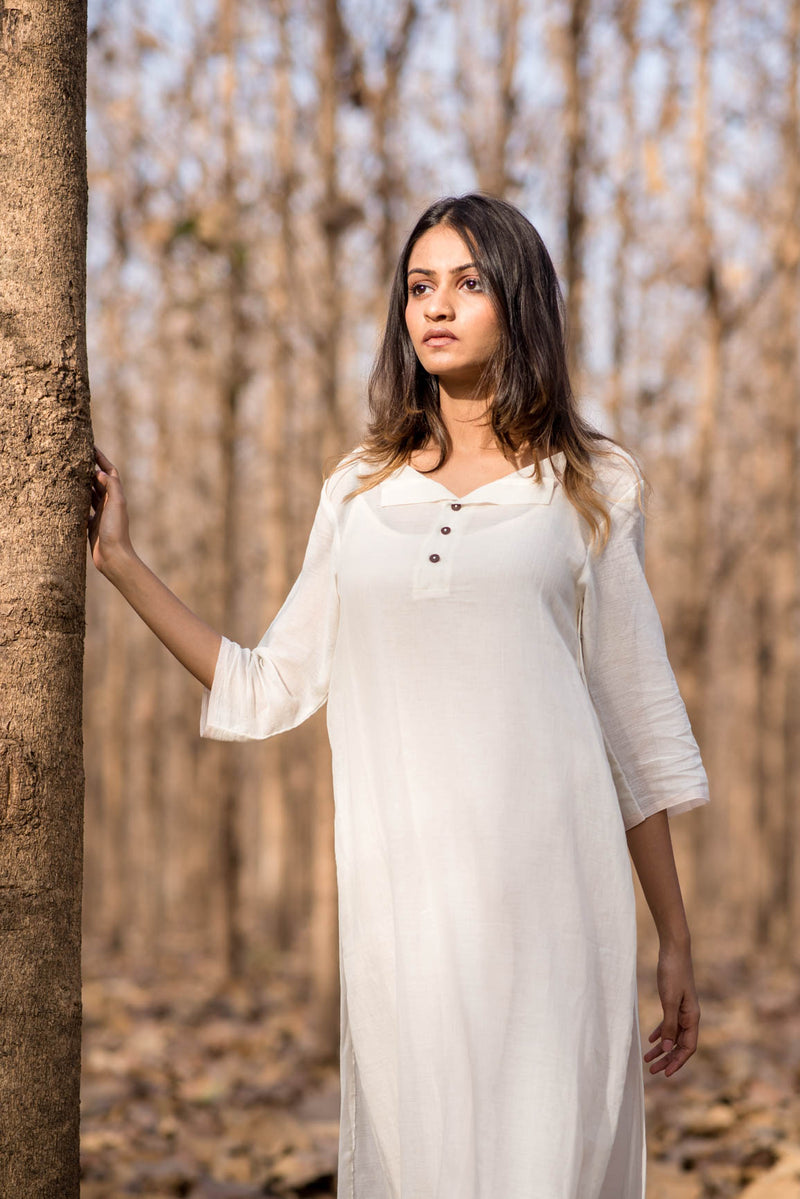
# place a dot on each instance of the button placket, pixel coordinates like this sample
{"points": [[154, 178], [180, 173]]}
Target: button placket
{"points": [[433, 573]]}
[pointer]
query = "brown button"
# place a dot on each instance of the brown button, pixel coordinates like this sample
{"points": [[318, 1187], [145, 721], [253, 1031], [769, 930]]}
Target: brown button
{"points": [[455, 507], [445, 529], [434, 557]]}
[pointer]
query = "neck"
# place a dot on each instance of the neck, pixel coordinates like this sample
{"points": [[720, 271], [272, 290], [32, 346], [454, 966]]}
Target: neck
{"points": [[465, 417]]}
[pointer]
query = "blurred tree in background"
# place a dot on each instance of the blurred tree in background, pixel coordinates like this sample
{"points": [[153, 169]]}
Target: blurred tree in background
{"points": [[253, 170]]}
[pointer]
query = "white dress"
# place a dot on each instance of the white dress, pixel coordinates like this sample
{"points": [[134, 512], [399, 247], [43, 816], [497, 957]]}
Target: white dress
{"points": [[500, 710]]}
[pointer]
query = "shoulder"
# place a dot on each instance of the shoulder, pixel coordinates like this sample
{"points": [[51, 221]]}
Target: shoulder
{"points": [[618, 477], [343, 476]]}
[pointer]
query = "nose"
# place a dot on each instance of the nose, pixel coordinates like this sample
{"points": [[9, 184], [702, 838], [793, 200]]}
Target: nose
{"points": [[438, 307]]}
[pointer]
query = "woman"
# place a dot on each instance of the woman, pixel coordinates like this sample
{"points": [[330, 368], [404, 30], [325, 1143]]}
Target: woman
{"points": [[505, 726]]}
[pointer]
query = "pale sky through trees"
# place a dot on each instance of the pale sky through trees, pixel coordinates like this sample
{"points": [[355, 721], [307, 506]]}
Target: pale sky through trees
{"points": [[430, 140]]}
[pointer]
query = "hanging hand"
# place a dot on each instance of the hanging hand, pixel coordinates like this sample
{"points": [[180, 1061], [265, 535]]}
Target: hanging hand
{"points": [[677, 1032]]}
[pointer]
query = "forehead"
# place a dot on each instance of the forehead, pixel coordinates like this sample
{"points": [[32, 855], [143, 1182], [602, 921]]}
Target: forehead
{"points": [[439, 248]]}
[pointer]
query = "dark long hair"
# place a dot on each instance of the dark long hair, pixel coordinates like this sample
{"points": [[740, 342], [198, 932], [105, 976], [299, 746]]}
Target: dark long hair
{"points": [[533, 404]]}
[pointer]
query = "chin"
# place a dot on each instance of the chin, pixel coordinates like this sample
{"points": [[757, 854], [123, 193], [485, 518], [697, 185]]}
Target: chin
{"points": [[443, 363]]}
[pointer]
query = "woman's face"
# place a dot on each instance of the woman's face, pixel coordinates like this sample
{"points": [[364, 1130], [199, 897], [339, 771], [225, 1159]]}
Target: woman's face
{"points": [[450, 318]]}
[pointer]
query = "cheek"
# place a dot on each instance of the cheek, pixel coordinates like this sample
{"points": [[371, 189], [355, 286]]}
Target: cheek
{"points": [[490, 329]]}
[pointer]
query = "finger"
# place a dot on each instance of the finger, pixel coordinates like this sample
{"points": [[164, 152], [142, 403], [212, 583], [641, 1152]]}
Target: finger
{"points": [[690, 1027], [93, 528], [661, 1053], [109, 481], [669, 1025], [673, 1061], [106, 464], [685, 1046], [98, 497], [663, 1061], [656, 1049]]}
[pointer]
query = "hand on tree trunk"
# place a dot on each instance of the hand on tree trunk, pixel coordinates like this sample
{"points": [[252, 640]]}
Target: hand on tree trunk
{"points": [[109, 536], [194, 643]]}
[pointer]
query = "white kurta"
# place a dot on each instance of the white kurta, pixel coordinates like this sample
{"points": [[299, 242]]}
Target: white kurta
{"points": [[500, 710]]}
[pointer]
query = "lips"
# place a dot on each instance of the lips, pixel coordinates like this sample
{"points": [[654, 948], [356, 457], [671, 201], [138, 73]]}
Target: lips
{"points": [[439, 336]]}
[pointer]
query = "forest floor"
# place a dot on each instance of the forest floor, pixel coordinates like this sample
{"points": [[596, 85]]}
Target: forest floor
{"points": [[192, 1089]]}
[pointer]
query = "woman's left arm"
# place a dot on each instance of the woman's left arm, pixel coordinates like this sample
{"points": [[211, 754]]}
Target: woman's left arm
{"points": [[650, 848], [652, 752]]}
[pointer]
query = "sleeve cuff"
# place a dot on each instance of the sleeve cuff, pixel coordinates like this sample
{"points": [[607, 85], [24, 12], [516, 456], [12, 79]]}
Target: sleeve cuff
{"points": [[673, 807], [217, 722]]}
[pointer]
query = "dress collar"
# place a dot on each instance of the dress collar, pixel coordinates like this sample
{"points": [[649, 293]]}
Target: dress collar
{"points": [[409, 486]]}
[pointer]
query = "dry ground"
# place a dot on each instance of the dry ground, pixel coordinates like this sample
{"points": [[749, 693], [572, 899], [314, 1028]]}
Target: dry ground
{"points": [[215, 1092]]}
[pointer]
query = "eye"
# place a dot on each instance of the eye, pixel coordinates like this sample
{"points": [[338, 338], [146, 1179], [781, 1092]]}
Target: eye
{"points": [[412, 289], [473, 283]]}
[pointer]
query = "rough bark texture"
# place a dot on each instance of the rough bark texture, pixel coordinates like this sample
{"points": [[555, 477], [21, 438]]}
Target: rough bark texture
{"points": [[44, 489]]}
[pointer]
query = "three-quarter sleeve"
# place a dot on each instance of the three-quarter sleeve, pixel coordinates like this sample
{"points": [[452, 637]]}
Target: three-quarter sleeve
{"points": [[256, 693], [652, 751]]}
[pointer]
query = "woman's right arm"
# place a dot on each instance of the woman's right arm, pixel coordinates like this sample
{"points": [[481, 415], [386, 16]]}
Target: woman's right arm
{"points": [[194, 643]]}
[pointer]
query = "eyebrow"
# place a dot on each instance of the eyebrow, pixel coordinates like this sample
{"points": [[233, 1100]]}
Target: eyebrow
{"points": [[420, 270]]}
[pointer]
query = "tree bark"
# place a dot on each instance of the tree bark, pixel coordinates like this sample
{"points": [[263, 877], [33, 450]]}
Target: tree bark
{"points": [[44, 498]]}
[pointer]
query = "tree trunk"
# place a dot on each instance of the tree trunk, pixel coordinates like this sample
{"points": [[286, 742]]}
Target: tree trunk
{"points": [[329, 435], [390, 185], [489, 107], [627, 16], [576, 117], [232, 381], [705, 531], [778, 603], [44, 495], [282, 813]]}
